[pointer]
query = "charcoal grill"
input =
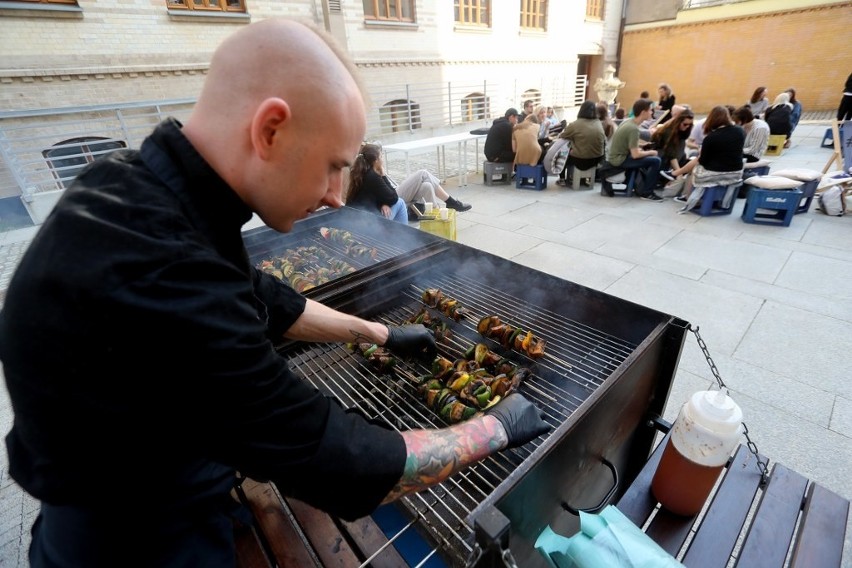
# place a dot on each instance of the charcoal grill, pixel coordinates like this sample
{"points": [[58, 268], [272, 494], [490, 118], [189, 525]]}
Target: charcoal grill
{"points": [[604, 379]]}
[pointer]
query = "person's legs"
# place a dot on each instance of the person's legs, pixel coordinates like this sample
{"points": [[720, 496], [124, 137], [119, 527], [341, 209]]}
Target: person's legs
{"points": [[419, 186], [399, 211], [650, 168]]}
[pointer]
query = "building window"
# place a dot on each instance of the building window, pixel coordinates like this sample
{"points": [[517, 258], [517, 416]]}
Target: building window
{"points": [[400, 116], [533, 95], [207, 5], [534, 14], [71, 2], [474, 107], [595, 9], [473, 12], [68, 157], [389, 10]]}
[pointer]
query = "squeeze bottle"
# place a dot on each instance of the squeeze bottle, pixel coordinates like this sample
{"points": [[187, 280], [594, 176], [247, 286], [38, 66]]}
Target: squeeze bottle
{"points": [[703, 436]]}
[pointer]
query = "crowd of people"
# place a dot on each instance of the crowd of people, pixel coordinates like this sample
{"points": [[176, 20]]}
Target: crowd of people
{"points": [[667, 145]]}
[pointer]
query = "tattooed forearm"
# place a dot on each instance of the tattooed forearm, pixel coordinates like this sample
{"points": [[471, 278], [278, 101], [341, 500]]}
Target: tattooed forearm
{"points": [[434, 455]]}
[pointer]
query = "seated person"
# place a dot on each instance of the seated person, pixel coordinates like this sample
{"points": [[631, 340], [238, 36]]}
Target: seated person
{"points": [[498, 142], [778, 116], [667, 102], [588, 141], [423, 187], [544, 137], [795, 113], [757, 134], [552, 118], [670, 142], [370, 189], [721, 158], [525, 142], [696, 137], [759, 101], [602, 111], [625, 152]]}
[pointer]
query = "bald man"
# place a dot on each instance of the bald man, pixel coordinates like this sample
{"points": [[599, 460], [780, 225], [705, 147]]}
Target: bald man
{"points": [[137, 341]]}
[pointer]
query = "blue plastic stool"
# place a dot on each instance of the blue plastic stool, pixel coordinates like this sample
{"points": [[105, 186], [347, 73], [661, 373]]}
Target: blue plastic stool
{"points": [[713, 198], [808, 190], [829, 135], [771, 206], [530, 177]]}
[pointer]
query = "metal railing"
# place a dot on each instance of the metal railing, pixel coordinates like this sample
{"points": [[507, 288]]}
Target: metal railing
{"points": [[42, 150]]}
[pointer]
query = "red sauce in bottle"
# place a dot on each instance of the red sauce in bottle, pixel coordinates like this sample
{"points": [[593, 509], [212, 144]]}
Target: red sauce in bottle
{"points": [[680, 485]]}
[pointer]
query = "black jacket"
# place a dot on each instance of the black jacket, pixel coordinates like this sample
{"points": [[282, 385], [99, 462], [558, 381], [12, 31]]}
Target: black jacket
{"points": [[135, 339], [498, 143]]}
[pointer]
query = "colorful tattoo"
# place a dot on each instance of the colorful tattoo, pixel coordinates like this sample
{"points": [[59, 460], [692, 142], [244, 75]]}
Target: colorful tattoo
{"points": [[435, 455]]}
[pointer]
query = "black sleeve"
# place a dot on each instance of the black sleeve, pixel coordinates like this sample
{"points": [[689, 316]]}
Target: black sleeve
{"points": [[280, 305], [379, 188]]}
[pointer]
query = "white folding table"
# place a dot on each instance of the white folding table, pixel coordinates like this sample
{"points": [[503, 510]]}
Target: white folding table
{"points": [[439, 143]]}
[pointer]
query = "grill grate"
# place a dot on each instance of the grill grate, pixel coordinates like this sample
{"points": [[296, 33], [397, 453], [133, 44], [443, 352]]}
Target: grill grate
{"points": [[578, 359]]}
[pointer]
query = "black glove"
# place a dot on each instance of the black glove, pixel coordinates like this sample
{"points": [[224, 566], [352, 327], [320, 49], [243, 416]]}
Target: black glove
{"points": [[521, 419], [415, 340]]}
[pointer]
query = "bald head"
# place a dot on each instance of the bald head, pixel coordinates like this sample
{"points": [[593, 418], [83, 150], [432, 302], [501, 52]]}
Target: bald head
{"points": [[255, 121], [275, 58]]}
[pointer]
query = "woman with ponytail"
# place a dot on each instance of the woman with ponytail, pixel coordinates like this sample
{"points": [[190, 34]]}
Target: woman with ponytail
{"points": [[370, 189]]}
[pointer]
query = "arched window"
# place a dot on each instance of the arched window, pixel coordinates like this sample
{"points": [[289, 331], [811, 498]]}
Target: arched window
{"points": [[68, 157], [474, 107], [400, 115]]}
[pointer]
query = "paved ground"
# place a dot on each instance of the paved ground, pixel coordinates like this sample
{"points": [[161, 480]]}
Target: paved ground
{"points": [[773, 304]]}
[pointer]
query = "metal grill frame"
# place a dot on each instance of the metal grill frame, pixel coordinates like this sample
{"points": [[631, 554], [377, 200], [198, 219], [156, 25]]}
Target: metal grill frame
{"points": [[566, 465]]}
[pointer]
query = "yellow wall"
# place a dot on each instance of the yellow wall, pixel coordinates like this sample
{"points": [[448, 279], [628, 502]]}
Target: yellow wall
{"points": [[721, 61]]}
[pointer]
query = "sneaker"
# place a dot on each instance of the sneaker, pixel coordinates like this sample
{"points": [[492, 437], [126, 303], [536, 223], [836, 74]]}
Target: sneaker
{"points": [[681, 211], [680, 198], [668, 175], [652, 197]]}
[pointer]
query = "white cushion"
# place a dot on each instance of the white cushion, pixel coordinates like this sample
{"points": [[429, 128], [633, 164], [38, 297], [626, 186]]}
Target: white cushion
{"points": [[773, 182], [801, 174]]}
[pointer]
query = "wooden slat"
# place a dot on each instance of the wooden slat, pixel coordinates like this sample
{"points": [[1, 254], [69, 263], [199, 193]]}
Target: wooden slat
{"points": [[285, 542], [717, 534], [733, 498], [249, 550], [822, 529], [370, 538], [324, 535], [771, 530]]}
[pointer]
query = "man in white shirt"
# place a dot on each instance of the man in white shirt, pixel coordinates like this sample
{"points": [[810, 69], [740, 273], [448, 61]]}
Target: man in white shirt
{"points": [[757, 134]]}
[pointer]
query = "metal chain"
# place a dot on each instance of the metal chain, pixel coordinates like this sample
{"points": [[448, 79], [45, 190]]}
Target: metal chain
{"points": [[762, 465]]}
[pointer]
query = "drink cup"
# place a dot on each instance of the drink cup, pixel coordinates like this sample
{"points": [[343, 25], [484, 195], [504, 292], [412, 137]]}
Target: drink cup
{"points": [[427, 208], [445, 213]]}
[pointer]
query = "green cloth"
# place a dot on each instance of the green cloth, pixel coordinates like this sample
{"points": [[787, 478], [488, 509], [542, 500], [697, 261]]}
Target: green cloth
{"points": [[607, 540], [625, 138]]}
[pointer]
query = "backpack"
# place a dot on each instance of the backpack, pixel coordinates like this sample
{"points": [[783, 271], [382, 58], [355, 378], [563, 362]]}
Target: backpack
{"points": [[832, 202], [557, 155]]}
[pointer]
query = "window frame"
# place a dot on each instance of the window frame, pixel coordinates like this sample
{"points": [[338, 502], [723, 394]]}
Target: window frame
{"points": [[374, 15], [533, 15], [465, 9], [220, 6], [66, 158], [43, 2], [595, 9]]}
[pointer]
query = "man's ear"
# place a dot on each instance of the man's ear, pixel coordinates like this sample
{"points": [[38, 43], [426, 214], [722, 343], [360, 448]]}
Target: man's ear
{"points": [[271, 116]]}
